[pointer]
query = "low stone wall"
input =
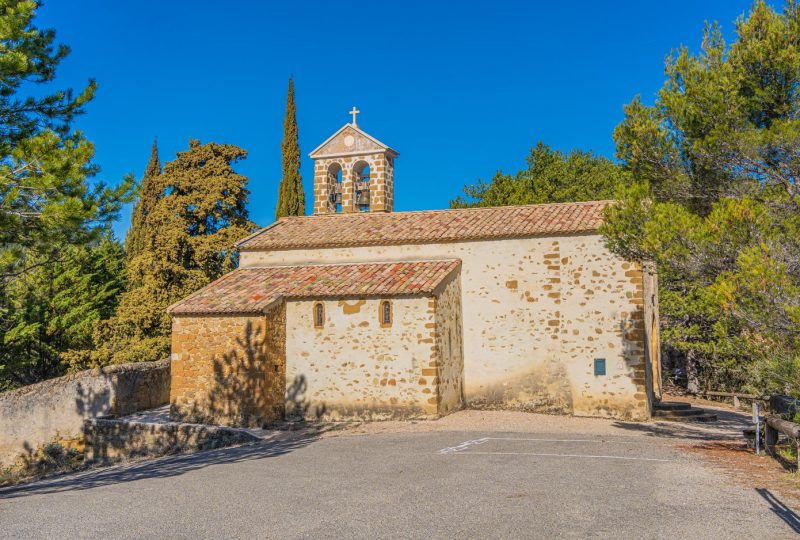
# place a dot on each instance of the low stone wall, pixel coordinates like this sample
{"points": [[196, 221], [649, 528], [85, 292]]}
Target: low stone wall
{"points": [[54, 410], [111, 439]]}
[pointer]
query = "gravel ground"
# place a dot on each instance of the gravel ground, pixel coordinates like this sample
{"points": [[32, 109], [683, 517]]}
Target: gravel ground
{"points": [[728, 426]]}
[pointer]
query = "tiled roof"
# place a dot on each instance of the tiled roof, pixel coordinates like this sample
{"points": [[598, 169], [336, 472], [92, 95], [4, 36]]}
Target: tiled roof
{"points": [[253, 290], [365, 229]]}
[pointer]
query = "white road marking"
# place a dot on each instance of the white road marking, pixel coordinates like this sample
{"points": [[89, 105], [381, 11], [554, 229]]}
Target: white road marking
{"points": [[462, 446], [559, 440], [557, 455], [465, 449]]}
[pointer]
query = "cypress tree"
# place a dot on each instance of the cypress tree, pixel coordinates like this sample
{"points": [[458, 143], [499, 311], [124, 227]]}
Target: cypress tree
{"points": [[189, 240], [149, 193], [291, 198]]}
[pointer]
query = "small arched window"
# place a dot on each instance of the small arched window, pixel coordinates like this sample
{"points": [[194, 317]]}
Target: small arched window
{"points": [[319, 315], [385, 313]]}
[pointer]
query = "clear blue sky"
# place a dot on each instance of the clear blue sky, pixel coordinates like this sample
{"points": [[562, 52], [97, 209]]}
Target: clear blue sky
{"points": [[460, 89]]}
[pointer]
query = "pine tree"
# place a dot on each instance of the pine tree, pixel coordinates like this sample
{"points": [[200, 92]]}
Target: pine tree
{"points": [[716, 203], [51, 311], [552, 176], [53, 211], [291, 197], [149, 193], [189, 239], [49, 199]]}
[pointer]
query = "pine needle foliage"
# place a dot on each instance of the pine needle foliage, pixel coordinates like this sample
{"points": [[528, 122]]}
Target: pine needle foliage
{"points": [[59, 268], [551, 176], [52, 310], [49, 198], [716, 203]]}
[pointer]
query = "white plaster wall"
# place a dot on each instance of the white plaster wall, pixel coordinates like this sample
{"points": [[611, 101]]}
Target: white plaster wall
{"points": [[521, 307], [353, 367]]}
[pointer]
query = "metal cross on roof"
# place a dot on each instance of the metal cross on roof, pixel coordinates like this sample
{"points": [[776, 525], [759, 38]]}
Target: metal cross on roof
{"points": [[355, 113]]}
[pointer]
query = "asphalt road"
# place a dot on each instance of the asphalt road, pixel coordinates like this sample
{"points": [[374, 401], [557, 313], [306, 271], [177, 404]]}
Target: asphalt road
{"points": [[409, 485]]}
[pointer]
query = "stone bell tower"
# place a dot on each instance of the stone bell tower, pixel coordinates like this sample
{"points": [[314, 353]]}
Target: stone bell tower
{"points": [[353, 172]]}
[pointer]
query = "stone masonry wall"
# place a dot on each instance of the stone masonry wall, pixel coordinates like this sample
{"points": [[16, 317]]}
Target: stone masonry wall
{"points": [[381, 183], [355, 368], [54, 410], [593, 280], [536, 313], [228, 370], [449, 357]]}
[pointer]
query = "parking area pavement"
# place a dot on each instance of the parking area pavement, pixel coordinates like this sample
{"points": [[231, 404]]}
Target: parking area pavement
{"points": [[474, 480]]}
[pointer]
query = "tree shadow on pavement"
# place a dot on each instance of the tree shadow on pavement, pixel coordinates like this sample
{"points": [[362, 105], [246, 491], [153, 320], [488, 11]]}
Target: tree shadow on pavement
{"points": [[780, 509], [165, 467], [729, 425]]}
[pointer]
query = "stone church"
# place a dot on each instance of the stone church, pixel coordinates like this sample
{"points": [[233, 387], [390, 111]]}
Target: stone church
{"points": [[360, 312]]}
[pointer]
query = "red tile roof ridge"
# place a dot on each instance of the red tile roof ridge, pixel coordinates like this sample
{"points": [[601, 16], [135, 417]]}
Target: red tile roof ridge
{"points": [[428, 226], [440, 210], [358, 263]]}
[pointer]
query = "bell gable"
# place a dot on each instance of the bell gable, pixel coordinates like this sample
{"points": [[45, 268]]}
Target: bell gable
{"points": [[350, 140]]}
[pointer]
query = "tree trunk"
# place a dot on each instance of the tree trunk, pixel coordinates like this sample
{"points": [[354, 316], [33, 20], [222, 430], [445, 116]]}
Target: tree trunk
{"points": [[692, 378]]}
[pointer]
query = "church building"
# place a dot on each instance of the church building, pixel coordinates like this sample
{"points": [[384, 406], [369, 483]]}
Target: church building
{"points": [[360, 312]]}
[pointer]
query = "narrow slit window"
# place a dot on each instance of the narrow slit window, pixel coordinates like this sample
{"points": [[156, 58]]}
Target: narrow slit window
{"points": [[386, 313], [319, 315]]}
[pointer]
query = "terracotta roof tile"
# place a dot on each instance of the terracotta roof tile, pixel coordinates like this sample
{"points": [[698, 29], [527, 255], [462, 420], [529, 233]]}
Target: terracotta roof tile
{"points": [[253, 290], [431, 226]]}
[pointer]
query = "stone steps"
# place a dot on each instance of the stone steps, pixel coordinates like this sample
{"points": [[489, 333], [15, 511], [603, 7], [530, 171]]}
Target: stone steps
{"points": [[671, 406], [674, 411]]}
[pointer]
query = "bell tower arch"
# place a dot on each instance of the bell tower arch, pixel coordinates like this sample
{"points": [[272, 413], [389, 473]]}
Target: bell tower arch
{"points": [[353, 172]]}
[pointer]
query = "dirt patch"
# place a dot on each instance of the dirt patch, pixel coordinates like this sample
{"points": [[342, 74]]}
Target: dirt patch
{"points": [[490, 421], [740, 463], [697, 401]]}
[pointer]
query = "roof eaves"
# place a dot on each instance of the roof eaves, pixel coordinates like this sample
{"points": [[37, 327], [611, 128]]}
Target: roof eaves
{"points": [[272, 225], [175, 311]]}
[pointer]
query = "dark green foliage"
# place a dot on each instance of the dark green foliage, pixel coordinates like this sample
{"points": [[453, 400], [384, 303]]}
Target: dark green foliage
{"points": [[51, 311], [46, 198], [716, 203], [551, 176], [291, 197], [149, 194], [59, 270], [198, 215], [30, 56]]}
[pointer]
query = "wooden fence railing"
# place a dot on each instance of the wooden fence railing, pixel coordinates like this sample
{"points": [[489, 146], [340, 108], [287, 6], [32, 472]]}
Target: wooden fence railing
{"points": [[737, 396], [775, 425]]}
